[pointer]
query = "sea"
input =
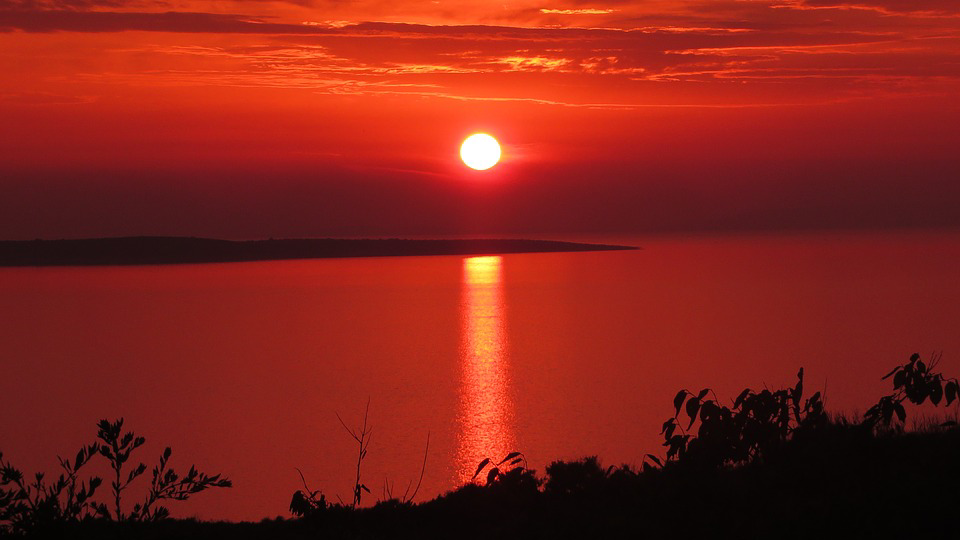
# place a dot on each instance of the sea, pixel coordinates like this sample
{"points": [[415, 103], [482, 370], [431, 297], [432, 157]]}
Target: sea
{"points": [[261, 370]]}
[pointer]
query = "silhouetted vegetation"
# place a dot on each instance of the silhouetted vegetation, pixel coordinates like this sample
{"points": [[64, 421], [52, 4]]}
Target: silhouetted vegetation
{"points": [[29, 506], [914, 382], [753, 427], [512, 462], [311, 503], [362, 436], [41, 507], [767, 463]]}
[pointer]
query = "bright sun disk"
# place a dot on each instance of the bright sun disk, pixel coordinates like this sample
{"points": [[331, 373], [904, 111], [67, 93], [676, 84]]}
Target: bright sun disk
{"points": [[480, 151]]}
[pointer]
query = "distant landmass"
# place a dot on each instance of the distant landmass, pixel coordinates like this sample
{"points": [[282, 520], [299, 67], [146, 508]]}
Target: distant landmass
{"points": [[182, 250]]}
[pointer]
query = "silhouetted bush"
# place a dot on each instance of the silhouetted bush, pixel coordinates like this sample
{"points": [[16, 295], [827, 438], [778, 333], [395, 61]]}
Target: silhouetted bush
{"points": [[575, 478], [914, 382], [753, 426], [39, 507], [758, 424], [514, 461]]}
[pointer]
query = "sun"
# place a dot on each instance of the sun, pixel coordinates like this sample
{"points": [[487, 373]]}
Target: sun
{"points": [[480, 151]]}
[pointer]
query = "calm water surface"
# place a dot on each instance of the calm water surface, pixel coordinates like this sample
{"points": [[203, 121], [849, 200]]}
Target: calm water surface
{"points": [[242, 367]]}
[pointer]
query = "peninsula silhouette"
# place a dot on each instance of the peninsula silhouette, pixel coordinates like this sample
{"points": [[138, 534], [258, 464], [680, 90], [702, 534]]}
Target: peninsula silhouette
{"points": [[136, 250]]}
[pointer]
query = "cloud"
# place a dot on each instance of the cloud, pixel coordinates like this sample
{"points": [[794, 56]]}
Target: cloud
{"points": [[44, 98], [888, 6], [693, 56], [67, 5], [589, 11], [111, 21]]}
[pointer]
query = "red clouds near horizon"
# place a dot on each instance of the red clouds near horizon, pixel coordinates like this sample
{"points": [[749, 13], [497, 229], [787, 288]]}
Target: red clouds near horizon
{"points": [[258, 118]]}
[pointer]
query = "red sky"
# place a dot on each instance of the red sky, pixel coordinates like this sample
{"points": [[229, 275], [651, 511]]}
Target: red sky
{"points": [[253, 118]]}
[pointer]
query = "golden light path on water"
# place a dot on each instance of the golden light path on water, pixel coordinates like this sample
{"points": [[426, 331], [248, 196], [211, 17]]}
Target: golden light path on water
{"points": [[485, 413]]}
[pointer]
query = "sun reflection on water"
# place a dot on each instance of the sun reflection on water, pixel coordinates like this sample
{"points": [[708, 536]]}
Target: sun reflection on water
{"points": [[486, 408]]}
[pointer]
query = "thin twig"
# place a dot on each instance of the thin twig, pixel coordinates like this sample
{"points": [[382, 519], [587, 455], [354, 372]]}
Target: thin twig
{"points": [[350, 431], [363, 440], [422, 468], [304, 480]]}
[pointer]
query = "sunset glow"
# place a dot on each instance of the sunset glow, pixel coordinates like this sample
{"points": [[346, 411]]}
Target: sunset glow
{"points": [[314, 120]]}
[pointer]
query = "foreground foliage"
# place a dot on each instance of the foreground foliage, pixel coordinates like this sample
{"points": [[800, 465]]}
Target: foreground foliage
{"points": [[767, 463], [847, 482], [750, 429], [759, 423], [914, 382], [768, 460], [41, 507]]}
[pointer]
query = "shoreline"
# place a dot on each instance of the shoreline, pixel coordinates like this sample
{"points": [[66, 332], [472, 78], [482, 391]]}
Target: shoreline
{"points": [[152, 250]]}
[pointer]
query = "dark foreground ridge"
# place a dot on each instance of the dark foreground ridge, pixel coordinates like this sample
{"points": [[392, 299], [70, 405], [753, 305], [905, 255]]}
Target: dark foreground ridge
{"points": [[769, 464], [182, 250], [845, 483]]}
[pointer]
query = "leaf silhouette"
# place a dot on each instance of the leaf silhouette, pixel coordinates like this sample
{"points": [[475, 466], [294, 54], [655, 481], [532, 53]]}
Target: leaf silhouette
{"points": [[678, 401], [887, 376], [492, 475], [510, 456], [936, 393], [692, 407], [899, 380], [480, 467], [950, 390], [743, 395]]}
